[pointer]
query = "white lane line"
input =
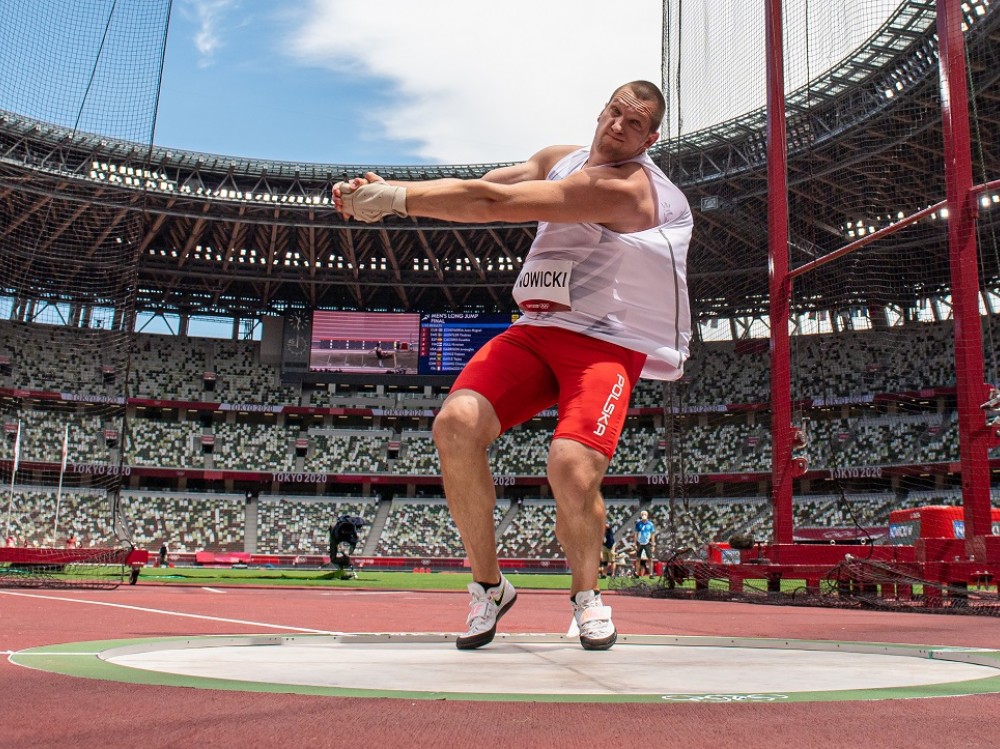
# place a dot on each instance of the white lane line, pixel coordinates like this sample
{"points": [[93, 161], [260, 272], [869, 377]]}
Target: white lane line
{"points": [[146, 610], [213, 590], [20, 653]]}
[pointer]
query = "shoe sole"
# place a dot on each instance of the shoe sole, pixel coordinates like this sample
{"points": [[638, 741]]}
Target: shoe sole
{"points": [[603, 644], [485, 638]]}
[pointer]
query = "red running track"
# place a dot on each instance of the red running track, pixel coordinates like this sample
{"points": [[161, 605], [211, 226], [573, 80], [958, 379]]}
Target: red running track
{"points": [[42, 709]]}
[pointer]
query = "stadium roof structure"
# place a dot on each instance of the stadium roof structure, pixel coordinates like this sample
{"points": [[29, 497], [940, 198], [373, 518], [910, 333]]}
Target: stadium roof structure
{"points": [[229, 235]]}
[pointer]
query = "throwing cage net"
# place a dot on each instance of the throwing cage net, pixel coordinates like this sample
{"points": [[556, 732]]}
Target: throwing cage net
{"points": [[72, 223], [870, 307]]}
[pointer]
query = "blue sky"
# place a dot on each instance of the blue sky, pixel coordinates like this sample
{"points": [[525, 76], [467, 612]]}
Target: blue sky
{"points": [[397, 81]]}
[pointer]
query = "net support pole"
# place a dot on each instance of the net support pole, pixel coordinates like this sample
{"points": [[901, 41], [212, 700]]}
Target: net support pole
{"points": [[13, 474], [62, 474], [975, 439], [779, 282], [10, 506]]}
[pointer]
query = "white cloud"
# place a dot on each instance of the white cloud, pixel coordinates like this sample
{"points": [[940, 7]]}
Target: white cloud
{"points": [[479, 82], [208, 15]]}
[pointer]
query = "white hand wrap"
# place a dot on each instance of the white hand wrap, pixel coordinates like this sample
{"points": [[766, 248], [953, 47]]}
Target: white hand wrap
{"points": [[373, 202]]}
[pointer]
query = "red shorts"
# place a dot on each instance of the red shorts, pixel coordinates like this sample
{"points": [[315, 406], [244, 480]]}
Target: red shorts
{"points": [[529, 368]]}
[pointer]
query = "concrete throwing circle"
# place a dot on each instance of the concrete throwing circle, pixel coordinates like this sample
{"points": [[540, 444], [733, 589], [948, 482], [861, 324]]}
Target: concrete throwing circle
{"points": [[542, 668]]}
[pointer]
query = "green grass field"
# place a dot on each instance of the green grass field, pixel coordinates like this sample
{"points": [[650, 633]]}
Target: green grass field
{"points": [[383, 580], [327, 578]]}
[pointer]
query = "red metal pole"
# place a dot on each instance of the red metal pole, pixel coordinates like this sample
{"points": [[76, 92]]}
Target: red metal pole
{"points": [[779, 282], [974, 438]]}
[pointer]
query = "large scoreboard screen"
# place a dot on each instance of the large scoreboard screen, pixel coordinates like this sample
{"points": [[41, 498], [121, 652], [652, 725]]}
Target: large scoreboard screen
{"points": [[405, 343], [447, 341]]}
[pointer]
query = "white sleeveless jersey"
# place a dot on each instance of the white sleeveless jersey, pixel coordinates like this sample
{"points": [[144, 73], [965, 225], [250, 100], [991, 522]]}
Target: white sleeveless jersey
{"points": [[628, 289]]}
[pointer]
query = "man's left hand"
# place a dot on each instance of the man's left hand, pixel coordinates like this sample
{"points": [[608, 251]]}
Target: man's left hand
{"points": [[369, 199]]}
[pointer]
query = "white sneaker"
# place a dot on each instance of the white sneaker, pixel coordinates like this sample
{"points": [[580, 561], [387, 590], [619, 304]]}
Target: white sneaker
{"points": [[485, 610], [597, 631]]}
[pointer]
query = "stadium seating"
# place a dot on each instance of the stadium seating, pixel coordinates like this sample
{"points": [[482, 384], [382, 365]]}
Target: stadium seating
{"points": [[423, 527], [300, 525], [244, 427]]}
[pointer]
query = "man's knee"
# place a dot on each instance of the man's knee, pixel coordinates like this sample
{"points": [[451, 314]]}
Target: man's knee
{"points": [[575, 468], [466, 421]]}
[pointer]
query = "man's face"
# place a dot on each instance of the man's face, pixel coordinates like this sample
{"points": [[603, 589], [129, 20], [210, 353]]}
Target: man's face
{"points": [[644, 516], [625, 127]]}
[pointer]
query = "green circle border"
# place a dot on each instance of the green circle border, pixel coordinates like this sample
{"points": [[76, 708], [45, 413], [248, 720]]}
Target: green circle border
{"points": [[88, 660]]}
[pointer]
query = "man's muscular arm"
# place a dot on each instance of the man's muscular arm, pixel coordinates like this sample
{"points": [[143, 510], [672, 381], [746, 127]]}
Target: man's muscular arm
{"points": [[376, 203], [604, 195], [619, 197]]}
